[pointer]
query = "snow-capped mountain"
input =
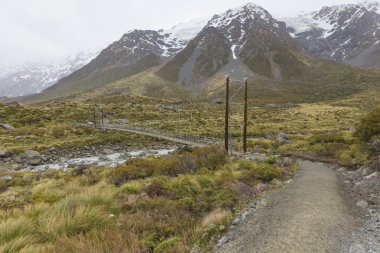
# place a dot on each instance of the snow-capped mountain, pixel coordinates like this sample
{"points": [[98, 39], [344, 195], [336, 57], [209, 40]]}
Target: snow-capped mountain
{"points": [[242, 42], [247, 37], [136, 51], [35, 77], [347, 33], [371, 6]]}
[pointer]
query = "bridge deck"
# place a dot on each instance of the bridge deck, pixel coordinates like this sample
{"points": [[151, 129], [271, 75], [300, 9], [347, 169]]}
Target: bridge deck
{"points": [[179, 138]]}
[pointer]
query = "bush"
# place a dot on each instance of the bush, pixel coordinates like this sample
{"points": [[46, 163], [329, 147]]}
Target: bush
{"points": [[271, 160], [369, 125], [263, 172], [328, 138], [58, 132]]}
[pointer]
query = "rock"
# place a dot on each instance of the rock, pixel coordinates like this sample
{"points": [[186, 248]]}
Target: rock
{"points": [[222, 241], [7, 126], [271, 106], [362, 204], [372, 176], [365, 172], [244, 215], [108, 151], [11, 197], [52, 149], [289, 105], [277, 182], [261, 204], [217, 101], [282, 138], [18, 159], [374, 144], [6, 178], [28, 178], [235, 221], [103, 158], [5, 153], [33, 157], [121, 121], [62, 160]]}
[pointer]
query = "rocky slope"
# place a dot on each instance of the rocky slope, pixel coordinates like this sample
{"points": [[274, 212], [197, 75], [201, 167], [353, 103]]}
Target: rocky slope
{"points": [[135, 52], [247, 35], [243, 42], [347, 33], [35, 77]]}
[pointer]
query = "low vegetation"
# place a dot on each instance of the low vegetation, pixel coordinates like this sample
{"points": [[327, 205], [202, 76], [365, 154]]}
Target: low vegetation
{"points": [[151, 204]]}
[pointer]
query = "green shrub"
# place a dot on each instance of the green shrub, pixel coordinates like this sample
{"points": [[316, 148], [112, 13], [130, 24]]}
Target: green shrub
{"points": [[58, 132], [245, 164], [225, 198], [328, 138], [369, 125], [167, 244], [184, 187], [263, 172], [271, 160]]}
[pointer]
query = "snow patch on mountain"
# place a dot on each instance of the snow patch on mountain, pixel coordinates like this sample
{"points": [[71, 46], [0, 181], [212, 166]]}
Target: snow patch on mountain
{"points": [[371, 6], [242, 13], [187, 30], [328, 19]]}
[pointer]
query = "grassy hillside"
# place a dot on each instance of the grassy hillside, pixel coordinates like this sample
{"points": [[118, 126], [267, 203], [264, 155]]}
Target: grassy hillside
{"points": [[80, 81]]}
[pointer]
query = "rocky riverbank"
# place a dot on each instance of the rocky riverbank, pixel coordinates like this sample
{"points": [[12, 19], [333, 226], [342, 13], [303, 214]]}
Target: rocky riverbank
{"points": [[89, 155]]}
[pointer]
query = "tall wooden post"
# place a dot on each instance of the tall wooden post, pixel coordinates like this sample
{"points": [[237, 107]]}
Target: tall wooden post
{"points": [[102, 116], [226, 123], [245, 116], [95, 119]]}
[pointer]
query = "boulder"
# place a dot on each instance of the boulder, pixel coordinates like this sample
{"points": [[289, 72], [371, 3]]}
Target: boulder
{"points": [[33, 157], [282, 138], [121, 121], [7, 126], [6, 178], [108, 151], [5, 153], [52, 149]]}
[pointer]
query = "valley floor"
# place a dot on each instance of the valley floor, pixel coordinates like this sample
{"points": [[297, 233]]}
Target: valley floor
{"points": [[307, 215]]}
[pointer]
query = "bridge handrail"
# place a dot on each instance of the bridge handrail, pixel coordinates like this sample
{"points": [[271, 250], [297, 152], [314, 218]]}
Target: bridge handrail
{"points": [[163, 133]]}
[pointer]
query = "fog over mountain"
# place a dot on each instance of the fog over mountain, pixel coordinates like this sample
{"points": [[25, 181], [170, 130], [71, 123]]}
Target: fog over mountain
{"points": [[39, 30]]}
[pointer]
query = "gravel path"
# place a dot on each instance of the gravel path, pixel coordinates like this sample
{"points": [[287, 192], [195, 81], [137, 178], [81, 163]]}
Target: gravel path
{"points": [[306, 215]]}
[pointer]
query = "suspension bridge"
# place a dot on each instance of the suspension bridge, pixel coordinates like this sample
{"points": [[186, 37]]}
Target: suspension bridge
{"points": [[184, 138]]}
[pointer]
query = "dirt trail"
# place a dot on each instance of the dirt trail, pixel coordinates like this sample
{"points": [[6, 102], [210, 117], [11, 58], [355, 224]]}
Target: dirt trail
{"points": [[307, 215]]}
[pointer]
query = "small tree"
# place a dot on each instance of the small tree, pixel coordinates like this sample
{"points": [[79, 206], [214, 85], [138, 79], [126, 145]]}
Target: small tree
{"points": [[369, 125]]}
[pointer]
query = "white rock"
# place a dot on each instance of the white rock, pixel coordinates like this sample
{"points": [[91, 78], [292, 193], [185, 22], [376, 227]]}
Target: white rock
{"points": [[372, 176], [362, 204]]}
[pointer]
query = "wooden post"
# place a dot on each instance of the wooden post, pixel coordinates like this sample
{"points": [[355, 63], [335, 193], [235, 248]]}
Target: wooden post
{"points": [[226, 123], [245, 116], [95, 119], [102, 116]]}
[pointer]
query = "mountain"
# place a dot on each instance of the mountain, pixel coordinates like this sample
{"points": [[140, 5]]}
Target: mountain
{"points": [[135, 52], [371, 6], [279, 58], [35, 77], [247, 36], [346, 33]]}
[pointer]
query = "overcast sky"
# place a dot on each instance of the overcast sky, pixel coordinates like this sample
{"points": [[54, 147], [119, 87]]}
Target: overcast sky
{"points": [[35, 30]]}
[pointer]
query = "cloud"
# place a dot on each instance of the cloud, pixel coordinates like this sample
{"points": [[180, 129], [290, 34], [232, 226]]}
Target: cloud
{"points": [[36, 30]]}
